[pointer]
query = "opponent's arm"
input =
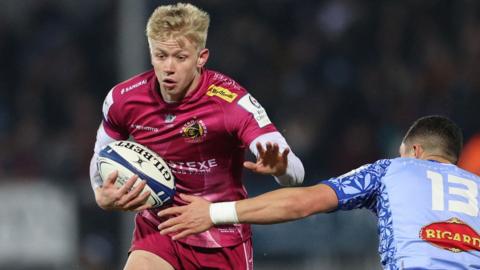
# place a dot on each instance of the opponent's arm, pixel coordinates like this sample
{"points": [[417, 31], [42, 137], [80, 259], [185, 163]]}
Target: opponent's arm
{"points": [[285, 204], [274, 157], [273, 207]]}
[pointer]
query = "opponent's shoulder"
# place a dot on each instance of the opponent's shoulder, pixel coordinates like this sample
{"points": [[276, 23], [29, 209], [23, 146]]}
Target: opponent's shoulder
{"points": [[135, 85], [377, 168], [223, 89], [398, 164]]}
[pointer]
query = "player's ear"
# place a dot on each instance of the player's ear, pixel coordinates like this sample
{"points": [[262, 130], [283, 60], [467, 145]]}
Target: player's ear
{"points": [[417, 150], [202, 57]]}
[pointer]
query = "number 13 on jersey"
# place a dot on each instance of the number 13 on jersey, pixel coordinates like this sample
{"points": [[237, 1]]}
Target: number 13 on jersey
{"points": [[465, 189]]}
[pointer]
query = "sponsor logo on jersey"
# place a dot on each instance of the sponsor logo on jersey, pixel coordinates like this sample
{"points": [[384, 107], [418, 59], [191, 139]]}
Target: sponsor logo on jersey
{"points": [[192, 167], [453, 235], [250, 104], [131, 87], [194, 131], [145, 128], [221, 92], [254, 102]]}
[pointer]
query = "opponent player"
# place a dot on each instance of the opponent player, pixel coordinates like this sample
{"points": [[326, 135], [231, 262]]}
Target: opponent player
{"points": [[427, 208], [200, 121]]}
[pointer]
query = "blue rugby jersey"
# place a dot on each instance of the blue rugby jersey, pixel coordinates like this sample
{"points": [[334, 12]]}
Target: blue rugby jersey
{"points": [[428, 212]]}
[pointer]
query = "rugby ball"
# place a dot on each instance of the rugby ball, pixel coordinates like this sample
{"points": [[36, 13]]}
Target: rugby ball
{"points": [[129, 158]]}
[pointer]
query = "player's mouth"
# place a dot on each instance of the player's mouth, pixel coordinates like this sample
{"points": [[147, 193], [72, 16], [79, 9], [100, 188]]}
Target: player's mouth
{"points": [[169, 83]]}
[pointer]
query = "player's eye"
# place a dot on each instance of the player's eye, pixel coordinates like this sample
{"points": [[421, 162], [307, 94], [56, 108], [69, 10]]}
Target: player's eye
{"points": [[160, 56], [181, 57]]}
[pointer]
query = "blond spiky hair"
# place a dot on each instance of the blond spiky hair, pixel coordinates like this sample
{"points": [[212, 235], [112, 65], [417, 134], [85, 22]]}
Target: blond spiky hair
{"points": [[177, 21]]}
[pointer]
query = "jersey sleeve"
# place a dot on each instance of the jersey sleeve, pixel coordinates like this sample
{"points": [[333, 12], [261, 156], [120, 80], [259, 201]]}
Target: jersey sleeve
{"points": [[112, 122], [248, 119], [359, 188], [295, 171]]}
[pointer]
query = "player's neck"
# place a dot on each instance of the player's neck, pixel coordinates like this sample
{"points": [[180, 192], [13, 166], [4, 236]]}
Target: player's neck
{"points": [[438, 158]]}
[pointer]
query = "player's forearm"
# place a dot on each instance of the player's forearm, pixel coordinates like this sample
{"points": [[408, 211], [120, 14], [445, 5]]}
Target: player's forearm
{"points": [[95, 179], [276, 206], [272, 207], [102, 139]]}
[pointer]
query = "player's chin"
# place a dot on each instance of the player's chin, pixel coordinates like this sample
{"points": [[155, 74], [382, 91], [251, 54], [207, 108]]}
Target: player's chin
{"points": [[174, 92], [169, 88]]}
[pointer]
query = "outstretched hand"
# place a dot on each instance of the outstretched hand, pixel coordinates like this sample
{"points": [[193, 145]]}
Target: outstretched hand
{"points": [[188, 219], [269, 160]]}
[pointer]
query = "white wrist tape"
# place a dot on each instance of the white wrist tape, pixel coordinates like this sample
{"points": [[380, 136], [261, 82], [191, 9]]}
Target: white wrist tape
{"points": [[223, 213]]}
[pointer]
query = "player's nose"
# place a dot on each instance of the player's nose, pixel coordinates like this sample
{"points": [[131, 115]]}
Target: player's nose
{"points": [[169, 66]]}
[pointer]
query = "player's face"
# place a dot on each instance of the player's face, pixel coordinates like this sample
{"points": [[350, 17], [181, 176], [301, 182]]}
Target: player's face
{"points": [[177, 67]]}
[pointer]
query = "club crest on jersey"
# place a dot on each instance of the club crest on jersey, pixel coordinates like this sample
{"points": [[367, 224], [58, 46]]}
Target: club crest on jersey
{"points": [[194, 131], [453, 235], [221, 92]]}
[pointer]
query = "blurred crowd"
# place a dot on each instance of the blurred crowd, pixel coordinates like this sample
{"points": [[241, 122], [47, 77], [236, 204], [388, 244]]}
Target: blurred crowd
{"points": [[341, 79], [57, 63]]}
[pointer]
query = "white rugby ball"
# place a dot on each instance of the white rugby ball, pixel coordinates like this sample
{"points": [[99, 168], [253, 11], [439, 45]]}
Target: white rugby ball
{"points": [[129, 158]]}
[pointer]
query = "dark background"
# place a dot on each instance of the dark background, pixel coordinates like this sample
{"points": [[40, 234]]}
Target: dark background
{"points": [[342, 80]]}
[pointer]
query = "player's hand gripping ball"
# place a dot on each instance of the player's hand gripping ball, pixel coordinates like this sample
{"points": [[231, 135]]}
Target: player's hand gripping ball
{"points": [[130, 158]]}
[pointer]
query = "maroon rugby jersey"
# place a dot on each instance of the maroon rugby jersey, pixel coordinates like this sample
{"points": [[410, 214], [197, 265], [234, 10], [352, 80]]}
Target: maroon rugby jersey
{"points": [[203, 139]]}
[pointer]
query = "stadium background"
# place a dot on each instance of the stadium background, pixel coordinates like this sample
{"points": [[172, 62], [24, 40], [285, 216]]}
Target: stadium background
{"points": [[341, 79]]}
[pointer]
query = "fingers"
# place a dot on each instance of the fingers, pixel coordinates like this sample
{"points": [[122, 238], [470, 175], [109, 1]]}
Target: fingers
{"points": [[183, 234], [129, 184], [275, 148], [138, 202], [187, 198], [131, 197], [171, 211], [171, 225], [250, 165], [134, 192], [268, 146], [177, 210], [270, 160], [285, 153], [186, 220], [260, 149], [112, 177], [142, 207], [270, 149], [174, 225]]}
